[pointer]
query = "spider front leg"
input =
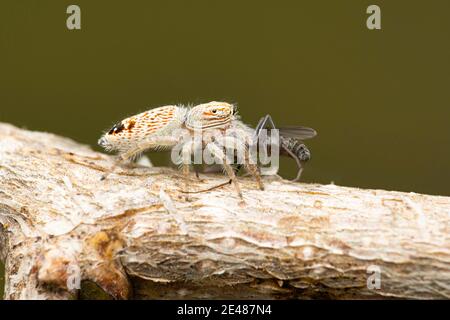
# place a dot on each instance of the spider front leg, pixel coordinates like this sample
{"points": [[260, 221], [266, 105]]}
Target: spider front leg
{"points": [[219, 154], [254, 171], [239, 142], [252, 168], [186, 154]]}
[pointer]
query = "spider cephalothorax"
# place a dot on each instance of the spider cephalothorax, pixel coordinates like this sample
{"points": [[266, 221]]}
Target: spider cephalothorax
{"points": [[214, 128], [210, 115]]}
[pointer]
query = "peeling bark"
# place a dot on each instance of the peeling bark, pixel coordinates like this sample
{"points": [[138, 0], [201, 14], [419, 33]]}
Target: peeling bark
{"points": [[135, 236]]}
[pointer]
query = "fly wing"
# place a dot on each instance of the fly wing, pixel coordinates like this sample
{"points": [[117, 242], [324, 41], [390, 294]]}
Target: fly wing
{"points": [[297, 132]]}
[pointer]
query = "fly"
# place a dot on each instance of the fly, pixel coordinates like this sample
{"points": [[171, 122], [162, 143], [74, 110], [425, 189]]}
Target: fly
{"points": [[290, 141]]}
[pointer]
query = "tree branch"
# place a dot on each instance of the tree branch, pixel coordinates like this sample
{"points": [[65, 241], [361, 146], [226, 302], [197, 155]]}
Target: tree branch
{"points": [[61, 223]]}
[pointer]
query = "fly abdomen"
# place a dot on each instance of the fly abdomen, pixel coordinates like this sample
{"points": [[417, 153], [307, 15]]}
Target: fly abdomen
{"points": [[296, 147]]}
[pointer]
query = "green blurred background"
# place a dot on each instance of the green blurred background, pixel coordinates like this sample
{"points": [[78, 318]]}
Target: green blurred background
{"points": [[379, 99]]}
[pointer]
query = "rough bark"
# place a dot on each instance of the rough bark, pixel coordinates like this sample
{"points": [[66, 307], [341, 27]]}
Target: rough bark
{"points": [[136, 236]]}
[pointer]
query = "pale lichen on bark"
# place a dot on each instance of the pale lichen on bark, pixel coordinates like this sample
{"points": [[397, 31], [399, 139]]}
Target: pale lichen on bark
{"points": [[135, 236]]}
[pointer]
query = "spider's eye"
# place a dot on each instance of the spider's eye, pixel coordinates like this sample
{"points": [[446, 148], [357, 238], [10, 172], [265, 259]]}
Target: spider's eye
{"points": [[214, 111]]}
